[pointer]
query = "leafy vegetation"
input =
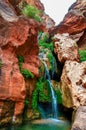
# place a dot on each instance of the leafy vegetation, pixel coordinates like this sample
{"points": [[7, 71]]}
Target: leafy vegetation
{"points": [[59, 95], [43, 42], [82, 55], [26, 73], [51, 59], [26, 102], [1, 64], [31, 12], [41, 93]]}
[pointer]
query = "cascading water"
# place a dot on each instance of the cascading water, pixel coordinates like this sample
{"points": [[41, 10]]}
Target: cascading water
{"points": [[54, 101]]}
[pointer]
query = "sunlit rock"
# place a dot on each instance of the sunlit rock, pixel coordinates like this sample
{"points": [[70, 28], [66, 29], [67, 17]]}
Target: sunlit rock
{"points": [[16, 39], [73, 85], [80, 119], [74, 21], [65, 48]]}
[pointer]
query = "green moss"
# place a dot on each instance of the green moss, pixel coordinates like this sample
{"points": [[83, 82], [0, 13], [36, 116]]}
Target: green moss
{"points": [[51, 58], [32, 12], [20, 59], [41, 93], [1, 63], [58, 95], [26, 73], [82, 54]]}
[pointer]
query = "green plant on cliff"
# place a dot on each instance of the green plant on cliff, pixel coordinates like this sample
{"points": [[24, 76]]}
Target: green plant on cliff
{"points": [[59, 95], [51, 59], [31, 12], [1, 64], [44, 43], [82, 54], [26, 73], [41, 93]]}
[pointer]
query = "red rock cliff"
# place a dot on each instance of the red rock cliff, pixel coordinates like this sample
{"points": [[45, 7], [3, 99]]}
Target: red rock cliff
{"points": [[18, 36], [74, 21]]}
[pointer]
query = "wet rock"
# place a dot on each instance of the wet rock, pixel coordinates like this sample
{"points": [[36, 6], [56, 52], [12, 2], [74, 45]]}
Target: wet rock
{"points": [[80, 119], [65, 48], [73, 81]]}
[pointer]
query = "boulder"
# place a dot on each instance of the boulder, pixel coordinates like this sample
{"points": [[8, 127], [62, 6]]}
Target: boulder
{"points": [[80, 119], [65, 48], [73, 84]]}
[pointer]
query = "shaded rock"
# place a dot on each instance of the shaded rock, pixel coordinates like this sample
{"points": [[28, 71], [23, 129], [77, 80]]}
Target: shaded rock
{"points": [[49, 22], [73, 81], [77, 36], [74, 21], [65, 48], [6, 111], [80, 119], [7, 11], [82, 41], [30, 87]]}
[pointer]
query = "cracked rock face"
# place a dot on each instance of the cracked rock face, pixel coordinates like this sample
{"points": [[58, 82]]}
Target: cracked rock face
{"points": [[74, 21], [73, 86], [65, 48], [16, 38]]}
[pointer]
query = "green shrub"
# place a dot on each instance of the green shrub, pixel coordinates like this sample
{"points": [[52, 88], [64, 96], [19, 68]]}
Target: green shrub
{"points": [[26, 73], [51, 58], [41, 93], [26, 102], [43, 42], [59, 96], [32, 12], [20, 59], [82, 55]]}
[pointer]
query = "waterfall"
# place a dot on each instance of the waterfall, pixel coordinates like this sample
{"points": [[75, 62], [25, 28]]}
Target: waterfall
{"points": [[54, 101]]}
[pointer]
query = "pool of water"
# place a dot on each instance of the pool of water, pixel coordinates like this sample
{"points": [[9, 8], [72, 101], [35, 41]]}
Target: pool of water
{"points": [[43, 124]]}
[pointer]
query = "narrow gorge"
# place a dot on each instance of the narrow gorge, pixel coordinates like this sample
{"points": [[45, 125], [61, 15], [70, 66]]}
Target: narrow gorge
{"points": [[42, 67]]}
